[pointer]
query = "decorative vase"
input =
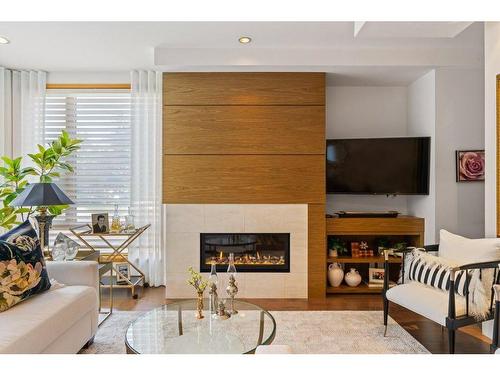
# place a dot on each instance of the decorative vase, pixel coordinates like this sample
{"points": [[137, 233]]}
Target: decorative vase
{"points": [[199, 306], [335, 274], [353, 278]]}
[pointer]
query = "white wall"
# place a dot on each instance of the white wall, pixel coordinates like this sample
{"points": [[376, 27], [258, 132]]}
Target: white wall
{"points": [[459, 126], [364, 112], [491, 69], [422, 123], [445, 104]]}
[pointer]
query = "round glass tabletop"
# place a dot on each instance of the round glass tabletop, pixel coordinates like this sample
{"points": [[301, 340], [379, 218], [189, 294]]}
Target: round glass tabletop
{"points": [[174, 329]]}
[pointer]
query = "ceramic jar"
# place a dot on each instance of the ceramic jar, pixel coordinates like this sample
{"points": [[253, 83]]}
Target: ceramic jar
{"points": [[335, 274], [353, 278]]}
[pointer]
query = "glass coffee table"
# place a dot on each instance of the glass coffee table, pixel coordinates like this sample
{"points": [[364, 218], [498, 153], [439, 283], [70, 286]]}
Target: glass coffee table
{"points": [[174, 329]]}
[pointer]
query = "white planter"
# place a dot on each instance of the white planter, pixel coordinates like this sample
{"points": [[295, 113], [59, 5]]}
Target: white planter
{"points": [[335, 274]]}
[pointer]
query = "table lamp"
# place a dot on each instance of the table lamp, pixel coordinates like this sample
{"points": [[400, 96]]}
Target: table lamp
{"points": [[42, 195]]}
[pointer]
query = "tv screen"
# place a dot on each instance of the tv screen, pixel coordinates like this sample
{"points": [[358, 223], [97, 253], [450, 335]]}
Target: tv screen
{"points": [[378, 166]]}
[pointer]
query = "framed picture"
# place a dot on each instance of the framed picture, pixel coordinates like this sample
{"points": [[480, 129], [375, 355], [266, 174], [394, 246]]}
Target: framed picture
{"points": [[122, 272], [100, 223], [470, 165], [376, 275]]}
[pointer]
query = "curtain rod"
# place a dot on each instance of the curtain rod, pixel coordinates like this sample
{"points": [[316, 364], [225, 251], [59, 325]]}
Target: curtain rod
{"points": [[73, 86]]}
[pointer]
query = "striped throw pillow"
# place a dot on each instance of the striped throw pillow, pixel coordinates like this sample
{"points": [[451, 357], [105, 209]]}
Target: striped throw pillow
{"points": [[430, 271]]}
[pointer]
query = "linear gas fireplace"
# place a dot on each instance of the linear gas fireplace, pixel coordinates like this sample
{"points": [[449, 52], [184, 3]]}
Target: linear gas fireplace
{"points": [[253, 252]]}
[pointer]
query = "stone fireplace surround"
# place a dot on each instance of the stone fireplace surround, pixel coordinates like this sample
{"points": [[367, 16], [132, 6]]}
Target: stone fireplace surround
{"points": [[185, 222]]}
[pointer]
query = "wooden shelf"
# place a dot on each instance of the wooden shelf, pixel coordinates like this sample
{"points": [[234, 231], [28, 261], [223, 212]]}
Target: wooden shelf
{"points": [[406, 229], [401, 225], [363, 288], [374, 259]]}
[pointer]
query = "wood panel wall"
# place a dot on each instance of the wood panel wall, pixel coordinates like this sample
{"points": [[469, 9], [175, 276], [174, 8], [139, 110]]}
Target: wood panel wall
{"points": [[249, 138]]}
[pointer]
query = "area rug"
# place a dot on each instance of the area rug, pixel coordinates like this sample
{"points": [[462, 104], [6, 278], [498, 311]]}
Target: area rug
{"points": [[306, 332]]}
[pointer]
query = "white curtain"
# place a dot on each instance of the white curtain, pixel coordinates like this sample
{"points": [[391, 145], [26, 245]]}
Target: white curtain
{"points": [[28, 107], [146, 120], [5, 112]]}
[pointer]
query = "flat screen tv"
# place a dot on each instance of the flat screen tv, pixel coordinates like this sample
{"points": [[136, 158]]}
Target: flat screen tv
{"points": [[378, 166]]}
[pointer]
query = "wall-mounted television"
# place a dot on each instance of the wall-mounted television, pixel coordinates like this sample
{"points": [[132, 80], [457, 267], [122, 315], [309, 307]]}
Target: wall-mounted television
{"points": [[378, 166]]}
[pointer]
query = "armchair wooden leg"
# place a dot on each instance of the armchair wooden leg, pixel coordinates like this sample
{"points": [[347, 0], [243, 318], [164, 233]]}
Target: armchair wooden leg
{"points": [[496, 327], [386, 314], [451, 340]]}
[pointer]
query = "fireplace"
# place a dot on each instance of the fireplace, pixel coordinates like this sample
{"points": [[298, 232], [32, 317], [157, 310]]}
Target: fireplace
{"points": [[253, 252]]}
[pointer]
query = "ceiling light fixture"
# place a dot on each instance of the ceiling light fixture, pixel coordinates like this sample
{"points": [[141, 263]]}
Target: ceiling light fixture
{"points": [[245, 39], [4, 40]]}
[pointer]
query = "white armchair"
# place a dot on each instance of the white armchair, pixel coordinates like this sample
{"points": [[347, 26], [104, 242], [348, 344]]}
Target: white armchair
{"points": [[446, 308]]}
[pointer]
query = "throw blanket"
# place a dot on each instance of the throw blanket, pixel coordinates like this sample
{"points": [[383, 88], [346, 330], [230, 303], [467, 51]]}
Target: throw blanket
{"points": [[435, 272]]}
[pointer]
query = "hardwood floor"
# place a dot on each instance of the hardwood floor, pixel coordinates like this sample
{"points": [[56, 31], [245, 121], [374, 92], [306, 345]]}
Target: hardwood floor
{"points": [[468, 340]]}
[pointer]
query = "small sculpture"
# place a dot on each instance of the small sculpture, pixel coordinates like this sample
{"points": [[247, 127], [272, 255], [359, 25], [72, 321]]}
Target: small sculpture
{"points": [[232, 290], [221, 311]]}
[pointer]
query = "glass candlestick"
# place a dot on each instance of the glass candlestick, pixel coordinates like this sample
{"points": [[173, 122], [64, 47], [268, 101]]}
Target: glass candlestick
{"points": [[231, 268], [213, 280]]}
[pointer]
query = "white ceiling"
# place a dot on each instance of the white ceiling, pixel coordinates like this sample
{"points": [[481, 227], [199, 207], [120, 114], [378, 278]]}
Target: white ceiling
{"points": [[409, 29], [123, 46]]}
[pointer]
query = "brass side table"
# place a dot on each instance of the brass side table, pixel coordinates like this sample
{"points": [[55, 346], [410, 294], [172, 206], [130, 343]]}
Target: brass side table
{"points": [[84, 234], [104, 268]]}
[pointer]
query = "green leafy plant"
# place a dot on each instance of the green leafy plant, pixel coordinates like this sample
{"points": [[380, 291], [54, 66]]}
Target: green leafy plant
{"points": [[49, 162], [196, 280]]}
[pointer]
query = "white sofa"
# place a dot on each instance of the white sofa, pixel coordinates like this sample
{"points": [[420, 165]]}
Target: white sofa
{"points": [[60, 320]]}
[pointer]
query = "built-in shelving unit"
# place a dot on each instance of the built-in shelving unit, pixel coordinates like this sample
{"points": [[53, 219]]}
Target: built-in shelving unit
{"points": [[406, 229]]}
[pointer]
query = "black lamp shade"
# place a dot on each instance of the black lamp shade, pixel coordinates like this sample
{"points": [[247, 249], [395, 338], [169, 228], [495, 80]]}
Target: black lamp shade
{"points": [[41, 194]]}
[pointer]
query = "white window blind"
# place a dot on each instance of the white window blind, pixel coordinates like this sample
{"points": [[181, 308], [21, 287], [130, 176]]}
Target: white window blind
{"points": [[102, 165]]}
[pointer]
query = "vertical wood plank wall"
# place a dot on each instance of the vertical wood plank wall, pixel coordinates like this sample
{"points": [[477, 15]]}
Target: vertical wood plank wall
{"points": [[249, 138]]}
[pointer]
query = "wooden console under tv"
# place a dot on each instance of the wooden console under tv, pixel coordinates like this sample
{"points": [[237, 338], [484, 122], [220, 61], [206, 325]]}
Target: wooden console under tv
{"points": [[407, 229]]}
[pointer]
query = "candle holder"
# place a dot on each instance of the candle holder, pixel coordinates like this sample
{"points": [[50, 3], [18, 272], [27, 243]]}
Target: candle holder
{"points": [[214, 298], [232, 290]]}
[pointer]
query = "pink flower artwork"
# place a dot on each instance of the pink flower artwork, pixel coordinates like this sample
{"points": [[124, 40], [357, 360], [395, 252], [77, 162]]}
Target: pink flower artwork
{"points": [[470, 166]]}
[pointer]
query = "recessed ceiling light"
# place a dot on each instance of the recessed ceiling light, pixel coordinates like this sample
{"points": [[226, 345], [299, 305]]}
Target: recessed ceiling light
{"points": [[245, 39], [4, 40]]}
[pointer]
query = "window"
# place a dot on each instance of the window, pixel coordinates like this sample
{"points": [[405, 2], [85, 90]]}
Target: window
{"points": [[102, 176]]}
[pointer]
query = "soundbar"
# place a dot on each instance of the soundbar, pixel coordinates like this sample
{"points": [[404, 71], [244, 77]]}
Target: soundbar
{"points": [[347, 214]]}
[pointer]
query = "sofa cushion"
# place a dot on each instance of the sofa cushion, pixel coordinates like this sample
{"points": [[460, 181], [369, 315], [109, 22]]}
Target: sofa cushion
{"points": [[31, 326], [22, 267], [425, 300], [461, 250]]}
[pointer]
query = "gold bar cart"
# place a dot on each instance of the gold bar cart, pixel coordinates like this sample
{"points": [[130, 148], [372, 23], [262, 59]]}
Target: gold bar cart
{"points": [[85, 235]]}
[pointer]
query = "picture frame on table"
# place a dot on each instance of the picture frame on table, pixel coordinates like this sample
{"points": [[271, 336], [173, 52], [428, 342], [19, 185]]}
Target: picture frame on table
{"points": [[122, 273], [100, 223], [376, 275]]}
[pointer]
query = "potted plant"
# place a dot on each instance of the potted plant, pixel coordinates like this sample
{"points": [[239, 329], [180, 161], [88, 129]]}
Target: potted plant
{"points": [[336, 247], [48, 163]]}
